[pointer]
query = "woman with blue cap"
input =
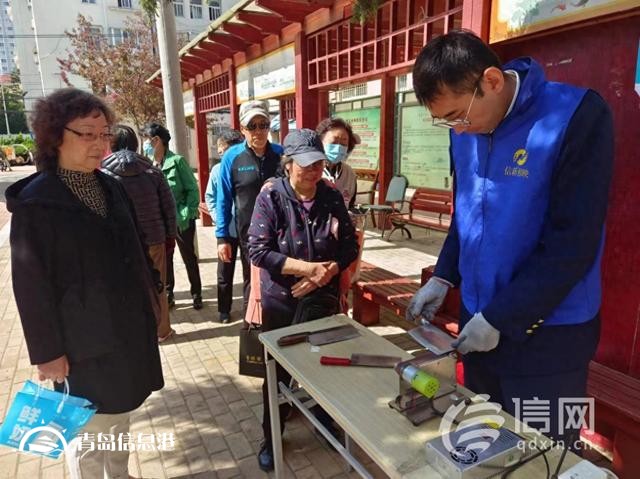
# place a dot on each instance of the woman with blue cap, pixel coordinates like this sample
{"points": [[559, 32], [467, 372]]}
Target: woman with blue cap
{"points": [[301, 237]]}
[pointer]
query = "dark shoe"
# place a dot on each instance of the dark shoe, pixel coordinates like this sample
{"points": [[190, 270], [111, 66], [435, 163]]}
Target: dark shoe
{"points": [[171, 300], [197, 301], [225, 318], [265, 459]]}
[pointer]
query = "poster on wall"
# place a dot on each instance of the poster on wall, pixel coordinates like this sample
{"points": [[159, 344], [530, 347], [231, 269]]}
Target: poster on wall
{"points": [[423, 149], [366, 123], [272, 75], [513, 18]]}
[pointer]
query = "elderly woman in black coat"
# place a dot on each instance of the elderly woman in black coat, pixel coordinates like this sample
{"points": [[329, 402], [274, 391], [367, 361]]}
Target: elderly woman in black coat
{"points": [[81, 278]]}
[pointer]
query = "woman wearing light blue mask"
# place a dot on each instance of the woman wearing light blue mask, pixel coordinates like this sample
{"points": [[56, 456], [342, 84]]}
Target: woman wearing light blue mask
{"points": [[339, 141]]}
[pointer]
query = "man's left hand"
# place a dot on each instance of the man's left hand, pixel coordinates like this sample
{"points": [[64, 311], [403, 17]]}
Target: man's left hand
{"points": [[477, 335]]}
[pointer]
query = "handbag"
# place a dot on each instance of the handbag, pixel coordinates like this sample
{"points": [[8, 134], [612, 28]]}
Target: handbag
{"points": [[251, 361], [315, 305], [43, 422]]}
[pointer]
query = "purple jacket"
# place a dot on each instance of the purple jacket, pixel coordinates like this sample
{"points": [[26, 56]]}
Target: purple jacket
{"points": [[281, 227]]}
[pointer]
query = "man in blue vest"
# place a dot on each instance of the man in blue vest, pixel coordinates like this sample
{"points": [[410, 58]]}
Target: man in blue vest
{"points": [[533, 163]]}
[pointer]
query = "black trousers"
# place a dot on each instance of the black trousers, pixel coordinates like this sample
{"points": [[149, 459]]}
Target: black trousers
{"points": [[185, 243], [246, 275], [225, 279]]}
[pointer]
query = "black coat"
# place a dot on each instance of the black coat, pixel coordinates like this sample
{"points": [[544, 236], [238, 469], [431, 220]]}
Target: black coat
{"points": [[149, 192], [83, 288]]}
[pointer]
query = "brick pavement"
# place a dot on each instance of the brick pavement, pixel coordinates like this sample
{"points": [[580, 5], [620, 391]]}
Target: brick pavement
{"points": [[213, 413]]}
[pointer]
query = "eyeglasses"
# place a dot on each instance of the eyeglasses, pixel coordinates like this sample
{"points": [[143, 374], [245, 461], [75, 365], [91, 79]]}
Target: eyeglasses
{"points": [[261, 126], [90, 137], [464, 123]]}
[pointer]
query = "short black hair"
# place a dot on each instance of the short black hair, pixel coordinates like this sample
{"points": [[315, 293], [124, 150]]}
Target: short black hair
{"points": [[455, 60], [156, 129], [124, 138], [231, 137], [330, 123]]}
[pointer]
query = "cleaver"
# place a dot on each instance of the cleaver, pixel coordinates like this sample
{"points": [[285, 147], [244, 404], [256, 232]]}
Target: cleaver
{"points": [[323, 336], [372, 360]]}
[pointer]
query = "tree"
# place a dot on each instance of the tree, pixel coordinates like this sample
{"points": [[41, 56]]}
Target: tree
{"points": [[117, 72], [14, 104]]}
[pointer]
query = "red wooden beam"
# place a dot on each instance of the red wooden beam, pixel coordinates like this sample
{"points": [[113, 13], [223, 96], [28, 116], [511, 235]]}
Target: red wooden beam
{"points": [[290, 11], [204, 55], [262, 21], [233, 43], [187, 71], [195, 62], [216, 48], [245, 31]]}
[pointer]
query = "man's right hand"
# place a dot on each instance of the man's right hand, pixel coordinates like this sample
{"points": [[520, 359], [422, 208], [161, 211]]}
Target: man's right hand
{"points": [[427, 301], [56, 370], [224, 252]]}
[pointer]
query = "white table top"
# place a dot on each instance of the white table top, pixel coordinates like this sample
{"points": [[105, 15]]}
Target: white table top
{"points": [[357, 398]]}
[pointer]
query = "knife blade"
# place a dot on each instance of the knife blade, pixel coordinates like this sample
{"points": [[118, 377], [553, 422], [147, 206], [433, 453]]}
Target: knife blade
{"points": [[323, 336], [371, 360]]}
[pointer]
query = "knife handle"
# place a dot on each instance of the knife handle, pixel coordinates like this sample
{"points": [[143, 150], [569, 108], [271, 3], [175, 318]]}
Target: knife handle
{"points": [[333, 361], [293, 339]]}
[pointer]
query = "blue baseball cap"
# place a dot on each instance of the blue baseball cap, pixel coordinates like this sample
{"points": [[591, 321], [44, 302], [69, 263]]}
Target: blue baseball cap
{"points": [[304, 146]]}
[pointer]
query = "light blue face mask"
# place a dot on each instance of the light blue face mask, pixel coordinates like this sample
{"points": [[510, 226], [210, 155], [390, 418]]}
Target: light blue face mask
{"points": [[148, 149], [335, 152]]}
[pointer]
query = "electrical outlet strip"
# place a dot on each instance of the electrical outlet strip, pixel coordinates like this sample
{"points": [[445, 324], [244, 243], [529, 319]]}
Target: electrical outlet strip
{"points": [[583, 470]]}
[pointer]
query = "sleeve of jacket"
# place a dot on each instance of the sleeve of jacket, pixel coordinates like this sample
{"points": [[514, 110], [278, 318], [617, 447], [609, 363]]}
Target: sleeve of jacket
{"points": [[574, 227], [192, 195], [263, 235], [210, 193], [224, 198], [347, 242], [167, 206], [30, 243]]}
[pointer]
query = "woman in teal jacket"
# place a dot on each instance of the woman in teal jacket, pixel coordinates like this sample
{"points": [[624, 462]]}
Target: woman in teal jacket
{"points": [[185, 192]]}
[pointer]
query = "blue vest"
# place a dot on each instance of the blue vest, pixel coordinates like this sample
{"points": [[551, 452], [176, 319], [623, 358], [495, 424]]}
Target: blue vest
{"points": [[503, 183]]}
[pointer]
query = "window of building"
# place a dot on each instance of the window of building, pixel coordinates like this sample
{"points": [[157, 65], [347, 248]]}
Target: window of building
{"points": [[117, 36], [178, 8], [214, 9], [196, 9], [88, 1], [124, 3]]}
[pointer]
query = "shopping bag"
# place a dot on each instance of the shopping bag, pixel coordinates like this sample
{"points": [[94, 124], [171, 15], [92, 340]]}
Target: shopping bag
{"points": [[251, 361], [41, 421]]}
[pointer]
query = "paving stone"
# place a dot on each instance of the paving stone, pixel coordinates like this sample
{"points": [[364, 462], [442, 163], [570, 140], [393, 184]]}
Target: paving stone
{"points": [[239, 445]]}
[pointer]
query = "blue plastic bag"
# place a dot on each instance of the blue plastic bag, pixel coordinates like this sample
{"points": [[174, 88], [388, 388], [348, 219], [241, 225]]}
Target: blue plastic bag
{"points": [[41, 421]]}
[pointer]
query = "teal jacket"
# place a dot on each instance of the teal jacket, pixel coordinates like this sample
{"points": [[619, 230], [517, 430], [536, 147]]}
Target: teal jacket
{"points": [[183, 186]]}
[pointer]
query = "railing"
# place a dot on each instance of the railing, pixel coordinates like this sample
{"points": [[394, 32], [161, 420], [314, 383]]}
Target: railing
{"points": [[213, 94], [391, 40], [214, 12]]}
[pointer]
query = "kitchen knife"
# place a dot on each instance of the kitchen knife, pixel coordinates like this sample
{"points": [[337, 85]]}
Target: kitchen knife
{"points": [[372, 360], [323, 336]]}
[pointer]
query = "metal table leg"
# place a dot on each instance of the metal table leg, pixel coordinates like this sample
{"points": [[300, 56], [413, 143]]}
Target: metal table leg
{"points": [[274, 414]]}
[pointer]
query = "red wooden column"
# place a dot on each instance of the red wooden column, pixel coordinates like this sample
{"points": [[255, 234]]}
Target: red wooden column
{"points": [[475, 17], [202, 151], [387, 127], [306, 100], [323, 105], [233, 99]]}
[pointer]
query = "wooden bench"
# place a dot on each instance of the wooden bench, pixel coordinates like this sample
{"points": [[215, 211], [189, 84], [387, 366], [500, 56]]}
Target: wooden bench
{"points": [[428, 208], [378, 287]]}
